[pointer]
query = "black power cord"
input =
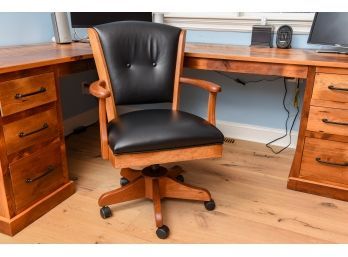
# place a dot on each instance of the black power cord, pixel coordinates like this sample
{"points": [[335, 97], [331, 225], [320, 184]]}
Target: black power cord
{"points": [[296, 104]]}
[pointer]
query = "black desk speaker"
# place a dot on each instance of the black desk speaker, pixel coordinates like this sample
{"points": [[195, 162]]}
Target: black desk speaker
{"points": [[284, 37]]}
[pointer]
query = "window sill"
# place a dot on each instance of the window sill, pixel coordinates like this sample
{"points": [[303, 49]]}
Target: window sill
{"points": [[238, 24]]}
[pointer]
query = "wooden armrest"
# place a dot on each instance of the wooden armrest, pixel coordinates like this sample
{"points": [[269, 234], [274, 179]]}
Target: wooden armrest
{"points": [[207, 85], [213, 90], [97, 89]]}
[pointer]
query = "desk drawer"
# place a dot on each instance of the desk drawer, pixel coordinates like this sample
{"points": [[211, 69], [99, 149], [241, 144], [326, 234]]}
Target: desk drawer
{"points": [[331, 87], [325, 160], [36, 176], [328, 120], [31, 130], [25, 93]]}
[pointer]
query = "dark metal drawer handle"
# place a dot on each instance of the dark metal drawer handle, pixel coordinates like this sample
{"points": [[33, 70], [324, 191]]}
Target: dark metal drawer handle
{"points": [[332, 87], [49, 169], [41, 90], [24, 134], [334, 122], [344, 164]]}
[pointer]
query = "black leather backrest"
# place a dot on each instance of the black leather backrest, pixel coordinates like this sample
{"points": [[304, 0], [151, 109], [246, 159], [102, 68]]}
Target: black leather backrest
{"points": [[141, 58]]}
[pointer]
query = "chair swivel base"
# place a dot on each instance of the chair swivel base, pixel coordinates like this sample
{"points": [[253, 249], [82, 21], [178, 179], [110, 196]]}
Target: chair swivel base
{"points": [[154, 182]]}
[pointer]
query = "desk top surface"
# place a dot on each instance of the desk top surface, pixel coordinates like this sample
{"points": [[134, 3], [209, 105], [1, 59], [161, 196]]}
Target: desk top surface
{"points": [[16, 58]]}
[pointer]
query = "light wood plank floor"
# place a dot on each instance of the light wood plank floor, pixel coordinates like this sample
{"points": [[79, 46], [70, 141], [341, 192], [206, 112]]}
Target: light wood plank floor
{"points": [[248, 185]]}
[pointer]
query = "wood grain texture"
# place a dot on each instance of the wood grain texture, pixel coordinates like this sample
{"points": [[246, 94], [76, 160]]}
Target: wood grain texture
{"points": [[18, 62], [332, 70], [171, 188], [166, 156], [322, 167], [178, 70], [332, 117], [296, 163], [31, 91], [325, 189], [46, 176], [7, 205], [154, 185], [247, 66], [132, 191], [156, 198], [103, 73], [204, 84], [329, 104], [322, 91], [330, 152], [98, 89], [38, 209], [265, 55], [17, 58], [31, 130], [130, 174], [248, 185], [212, 88]]}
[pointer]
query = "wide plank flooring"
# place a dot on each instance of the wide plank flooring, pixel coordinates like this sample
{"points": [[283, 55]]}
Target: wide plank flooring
{"points": [[248, 185]]}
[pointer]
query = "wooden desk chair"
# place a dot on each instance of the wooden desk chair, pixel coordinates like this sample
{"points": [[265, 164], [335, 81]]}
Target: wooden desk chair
{"points": [[139, 63]]}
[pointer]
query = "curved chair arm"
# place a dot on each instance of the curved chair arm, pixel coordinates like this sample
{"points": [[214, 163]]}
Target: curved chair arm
{"points": [[98, 90], [207, 85], [213, 90]]}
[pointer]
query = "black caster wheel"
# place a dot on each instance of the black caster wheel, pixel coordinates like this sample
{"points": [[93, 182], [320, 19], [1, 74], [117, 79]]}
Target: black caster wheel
{"points": [[162, 232], [209, 205], [105, 212], [180, 178], [124, 181]]}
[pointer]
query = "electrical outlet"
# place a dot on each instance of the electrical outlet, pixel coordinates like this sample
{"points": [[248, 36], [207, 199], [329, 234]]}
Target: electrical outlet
{"points": [[85, 87]]}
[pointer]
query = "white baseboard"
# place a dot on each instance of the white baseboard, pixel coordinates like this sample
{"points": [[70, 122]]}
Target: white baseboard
{"points": [[255, 133], [83, 119], [229, 129]]}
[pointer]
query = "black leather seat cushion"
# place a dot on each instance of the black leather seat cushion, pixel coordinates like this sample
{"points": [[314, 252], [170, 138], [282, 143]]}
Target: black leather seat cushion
{"points": [[160, 129]]}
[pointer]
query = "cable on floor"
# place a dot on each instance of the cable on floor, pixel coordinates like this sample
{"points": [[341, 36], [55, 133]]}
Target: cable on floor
{"points": [[296, 105]]}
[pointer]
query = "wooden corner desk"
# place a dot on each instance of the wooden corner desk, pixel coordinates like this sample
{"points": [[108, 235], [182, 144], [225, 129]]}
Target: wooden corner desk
{"points": [[33, 167]]}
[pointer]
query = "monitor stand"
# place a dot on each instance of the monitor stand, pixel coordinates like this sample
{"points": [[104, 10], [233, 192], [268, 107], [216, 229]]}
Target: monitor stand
{"points": [[332, 51], [338, 49]]}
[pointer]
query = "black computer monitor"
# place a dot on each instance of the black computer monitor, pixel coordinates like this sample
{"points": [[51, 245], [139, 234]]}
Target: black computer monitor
{"points": [[90, 19], [329, 28]]}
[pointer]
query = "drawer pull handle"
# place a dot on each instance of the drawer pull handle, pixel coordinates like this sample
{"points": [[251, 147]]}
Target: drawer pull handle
{"points": [[41, 90], [24, 134], [334, 122], [344, 164], [49, 169], [332, 87]]}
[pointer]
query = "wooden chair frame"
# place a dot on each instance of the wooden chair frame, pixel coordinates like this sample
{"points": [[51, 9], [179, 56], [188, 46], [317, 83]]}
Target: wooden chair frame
{"points": [[107, 111], [141, 185]]}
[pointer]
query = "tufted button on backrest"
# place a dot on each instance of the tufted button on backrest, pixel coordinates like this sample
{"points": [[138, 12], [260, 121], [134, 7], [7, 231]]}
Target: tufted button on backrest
{"points": [[141, 60]]}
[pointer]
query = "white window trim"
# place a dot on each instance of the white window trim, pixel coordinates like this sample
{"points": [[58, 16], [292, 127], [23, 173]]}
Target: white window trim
{"points": [[236, 21]]}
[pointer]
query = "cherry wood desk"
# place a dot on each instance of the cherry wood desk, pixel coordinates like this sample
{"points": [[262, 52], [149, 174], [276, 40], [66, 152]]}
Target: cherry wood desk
{"points": [[33, 182]]}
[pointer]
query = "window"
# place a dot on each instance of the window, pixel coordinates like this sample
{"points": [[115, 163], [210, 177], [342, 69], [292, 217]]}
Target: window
{"points": [[237, 21]]}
